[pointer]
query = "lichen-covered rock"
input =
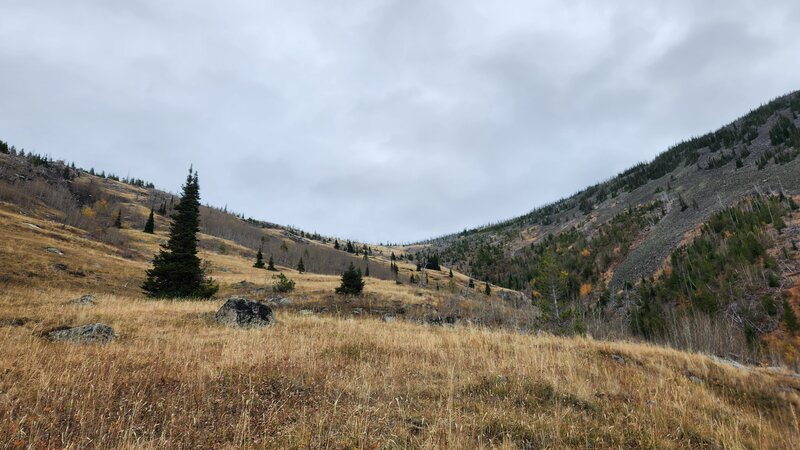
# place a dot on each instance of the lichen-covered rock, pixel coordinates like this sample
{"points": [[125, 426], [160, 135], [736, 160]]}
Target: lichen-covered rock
{"points": [[91, 333], [85, 300], [243, 313]]}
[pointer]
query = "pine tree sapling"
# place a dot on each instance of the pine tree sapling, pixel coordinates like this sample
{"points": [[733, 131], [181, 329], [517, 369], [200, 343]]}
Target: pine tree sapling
{"points": [[352, 283], [282, 284], [176, 270], [271, 264], [118, 220], [488, 290], [259, 264], [150, 226], [300, 266]]}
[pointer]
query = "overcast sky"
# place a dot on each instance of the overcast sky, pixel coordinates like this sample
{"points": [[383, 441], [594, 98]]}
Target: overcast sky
{"points": [[383, 120]]}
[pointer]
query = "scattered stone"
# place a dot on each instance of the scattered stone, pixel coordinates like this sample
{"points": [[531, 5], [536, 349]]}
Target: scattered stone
{"points": [[389, 318], [91, 333], [14, 322], [54, 251], [84, 300], [695, 379], [357, 311], [244, 313], [35, 227], [306, 312], [60, 266], [446, 320], [281, 301], [730, 362], [618, 358]]}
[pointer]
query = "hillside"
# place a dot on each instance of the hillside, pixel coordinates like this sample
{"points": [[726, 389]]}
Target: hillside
{"points": [[175, 379], [611, 237], [704, 261], [757, 152]]}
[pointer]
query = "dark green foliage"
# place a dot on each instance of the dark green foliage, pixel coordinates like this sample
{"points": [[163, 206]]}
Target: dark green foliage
{"points": [[259, 264], [118, 220], [470, 283], [336, 244], [706, 274], [176, 270], [789, 318], [783, 132], [271, 264], [300, 266], [451, 273], [432, 262], [773, 280], [150, 226], [282, 284], [584, 259], [769, 305], [366, 271], [647, 318], [488, 289], [352, 283]]}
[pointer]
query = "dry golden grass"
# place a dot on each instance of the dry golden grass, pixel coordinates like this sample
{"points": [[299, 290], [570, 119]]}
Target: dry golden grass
{"points": [[174, 379]]}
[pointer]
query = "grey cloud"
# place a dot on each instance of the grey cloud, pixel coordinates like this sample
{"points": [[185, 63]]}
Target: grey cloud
{"points": [[387, 120]]}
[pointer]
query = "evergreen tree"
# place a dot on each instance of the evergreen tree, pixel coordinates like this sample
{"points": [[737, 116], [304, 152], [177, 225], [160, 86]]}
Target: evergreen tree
{"points": [[336, 245], [176, 270], [300, 266], [352, 283], [451, 273], [271, 264], [789, 318], [150, 226], [259, 264], [118, 220], [432, 262], [366, 271], [488, 290]]}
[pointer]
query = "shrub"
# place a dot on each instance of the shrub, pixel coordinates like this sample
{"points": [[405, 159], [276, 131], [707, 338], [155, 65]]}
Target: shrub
{"points": [[352, 283], [282, 284]]}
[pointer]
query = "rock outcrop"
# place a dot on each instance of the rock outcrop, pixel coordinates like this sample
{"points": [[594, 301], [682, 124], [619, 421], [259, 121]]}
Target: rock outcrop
{"points": [[243, 313], [91, 333]]}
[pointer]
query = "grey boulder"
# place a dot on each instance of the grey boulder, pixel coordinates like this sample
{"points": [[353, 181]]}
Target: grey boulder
{"points": [[243, 313], [91, 333]]}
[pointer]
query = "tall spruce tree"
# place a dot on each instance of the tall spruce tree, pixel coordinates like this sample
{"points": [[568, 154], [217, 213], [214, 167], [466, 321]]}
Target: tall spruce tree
{"points": [[300, 266], [118, 220], [259, 264], [271, 264], [176, 270], [150, 226]]}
